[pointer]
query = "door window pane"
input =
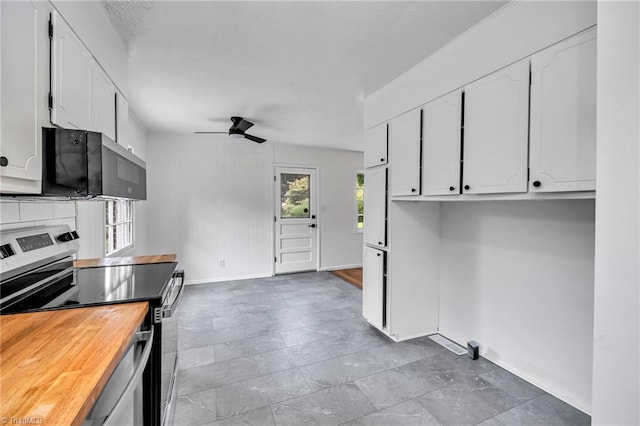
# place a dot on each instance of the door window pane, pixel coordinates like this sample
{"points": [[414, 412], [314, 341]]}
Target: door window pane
{"points": [[360, 201], [294, 196]]}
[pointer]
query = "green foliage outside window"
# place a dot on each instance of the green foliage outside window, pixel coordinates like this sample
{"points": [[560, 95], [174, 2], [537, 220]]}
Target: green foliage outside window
{"points": [[360, 199], [294, 193]]}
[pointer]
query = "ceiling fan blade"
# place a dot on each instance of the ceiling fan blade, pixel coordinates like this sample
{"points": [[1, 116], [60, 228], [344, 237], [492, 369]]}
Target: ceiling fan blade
{"points": [[240, 124], [254, 138], [211, 133]]}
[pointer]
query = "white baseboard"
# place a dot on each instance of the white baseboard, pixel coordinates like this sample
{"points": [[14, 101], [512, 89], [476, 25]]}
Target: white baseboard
{"points": [[221, 279], [335, 268]]}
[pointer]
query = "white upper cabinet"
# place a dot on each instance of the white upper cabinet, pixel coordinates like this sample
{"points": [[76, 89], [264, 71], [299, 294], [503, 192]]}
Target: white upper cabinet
{"points": [[373, 305], [441, 131], [375, 206], [375, 146], [23, 27], [496, 122], [563, 116], [404, 139], [71, 78], [122, 119], [103, 103]]}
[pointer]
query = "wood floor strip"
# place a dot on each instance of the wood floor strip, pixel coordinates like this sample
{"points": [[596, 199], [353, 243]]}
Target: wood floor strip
{"points": [[352, 276]]}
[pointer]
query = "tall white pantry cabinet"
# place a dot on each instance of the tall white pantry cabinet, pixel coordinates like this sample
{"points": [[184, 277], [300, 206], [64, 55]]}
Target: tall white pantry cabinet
{"points": [[524, 130]]}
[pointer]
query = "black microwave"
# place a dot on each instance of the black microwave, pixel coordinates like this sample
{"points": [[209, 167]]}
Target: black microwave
{"points": [[84, 164]]}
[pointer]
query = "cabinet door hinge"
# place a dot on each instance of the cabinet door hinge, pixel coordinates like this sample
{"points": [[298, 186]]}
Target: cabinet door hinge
{"points": [[275, 218], [530, 77], [528, 173], [275, 259], [274, 178], [50, 100], [50, 29]]}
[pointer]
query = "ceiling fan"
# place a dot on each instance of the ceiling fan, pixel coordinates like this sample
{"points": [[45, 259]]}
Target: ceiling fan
{"points": [[237, 130]]}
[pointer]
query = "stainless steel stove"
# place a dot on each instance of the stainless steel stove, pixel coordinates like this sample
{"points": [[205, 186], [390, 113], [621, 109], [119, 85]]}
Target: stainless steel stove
{"points": [[37, 273]]}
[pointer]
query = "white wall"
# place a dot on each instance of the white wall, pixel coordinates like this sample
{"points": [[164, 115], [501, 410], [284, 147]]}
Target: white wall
{"points": [[209, 199], [517, 277], [616, 368], [512, 33], [340, 244]]}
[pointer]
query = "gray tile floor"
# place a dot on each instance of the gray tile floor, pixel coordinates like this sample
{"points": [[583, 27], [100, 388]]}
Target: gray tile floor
{"points": [[294, 350]]}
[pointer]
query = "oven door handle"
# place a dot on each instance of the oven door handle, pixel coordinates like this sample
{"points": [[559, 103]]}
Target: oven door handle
{"points": [[134, 381], [168, 310]]}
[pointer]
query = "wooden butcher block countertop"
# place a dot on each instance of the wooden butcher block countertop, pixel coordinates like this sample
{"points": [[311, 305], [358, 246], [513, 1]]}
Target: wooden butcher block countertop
{"points": [[115, 261], [54, 364]]}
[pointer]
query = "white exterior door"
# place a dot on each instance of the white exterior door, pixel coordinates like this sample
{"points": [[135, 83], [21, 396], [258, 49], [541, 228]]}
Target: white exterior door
{"points": [[296, 231]]}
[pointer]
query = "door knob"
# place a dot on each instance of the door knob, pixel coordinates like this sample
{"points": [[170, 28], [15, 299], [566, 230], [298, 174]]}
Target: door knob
{"points": [[4, 161], [413, 190], [537, 183], [466, 187], [452, 188], [313, 225]]}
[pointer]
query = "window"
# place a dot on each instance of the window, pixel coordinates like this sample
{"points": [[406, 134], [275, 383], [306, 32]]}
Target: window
{"points": [[359, 201], [118, 225], [294, 196]]}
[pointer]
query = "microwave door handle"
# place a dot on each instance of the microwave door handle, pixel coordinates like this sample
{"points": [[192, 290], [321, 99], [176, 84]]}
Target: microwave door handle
{"points": [[147, 337], [167, 311]]}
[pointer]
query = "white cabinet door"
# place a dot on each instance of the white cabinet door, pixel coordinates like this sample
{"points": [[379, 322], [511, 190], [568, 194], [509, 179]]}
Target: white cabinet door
{"points": [[22, 25], [373, 297], [496, 121], [103, 103], [122, 119], [71, 71], [441, 128], [375, 146], [404, 138], [563, 116], [375, 206]]}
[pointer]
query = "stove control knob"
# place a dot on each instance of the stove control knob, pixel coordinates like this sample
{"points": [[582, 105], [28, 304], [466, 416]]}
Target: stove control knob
{"points": [[6, 251], [63, 238]]}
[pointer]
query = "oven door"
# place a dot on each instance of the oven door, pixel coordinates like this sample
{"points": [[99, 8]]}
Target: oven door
{"points": [[120, 403], [170, 347]]}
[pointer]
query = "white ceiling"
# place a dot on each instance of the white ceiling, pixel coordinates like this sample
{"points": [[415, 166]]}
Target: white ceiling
{"points": [[298, 69]]}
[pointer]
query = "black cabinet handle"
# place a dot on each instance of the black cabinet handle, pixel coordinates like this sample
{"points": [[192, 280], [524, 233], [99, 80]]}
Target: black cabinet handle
{"points": [[378, 254], [536, 183], [467, 187], [382, 160], [379, 243], [413, 190], [4, 161], [452, 188], [313, 225]]}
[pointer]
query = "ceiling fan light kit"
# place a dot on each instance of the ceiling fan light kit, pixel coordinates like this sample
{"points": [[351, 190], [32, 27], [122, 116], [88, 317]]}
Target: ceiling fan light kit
{"points": [[238, 129]]}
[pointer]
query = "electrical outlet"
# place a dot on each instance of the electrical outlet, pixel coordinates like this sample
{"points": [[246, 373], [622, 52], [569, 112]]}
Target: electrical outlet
{"points": [[221, 263]]}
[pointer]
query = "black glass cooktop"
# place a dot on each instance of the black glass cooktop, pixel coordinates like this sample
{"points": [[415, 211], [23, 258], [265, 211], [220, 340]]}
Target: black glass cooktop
{"points": [[102, 285]]}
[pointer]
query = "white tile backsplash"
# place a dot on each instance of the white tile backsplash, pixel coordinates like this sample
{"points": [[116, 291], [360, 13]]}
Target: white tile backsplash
{"points": [[31, 211], [9, 212], [26, 214], [64, 209]]}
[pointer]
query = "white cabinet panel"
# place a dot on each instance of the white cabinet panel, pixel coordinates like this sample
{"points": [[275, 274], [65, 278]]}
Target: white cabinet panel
{"points": [[22, 25], [103, 103], [122, 119], [404, 138], [563, 116], [375, 146], [496, 123], [373, 297], [441, 121], [71, 71], [375, 207]]}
